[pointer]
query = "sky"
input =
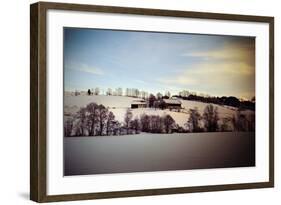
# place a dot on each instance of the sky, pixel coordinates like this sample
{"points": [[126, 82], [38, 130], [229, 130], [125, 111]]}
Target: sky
{"points": [[158, 62]]}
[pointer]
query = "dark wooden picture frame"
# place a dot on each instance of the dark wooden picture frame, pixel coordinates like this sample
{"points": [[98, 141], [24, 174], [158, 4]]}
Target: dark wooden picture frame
{"points": [[38, 101]]}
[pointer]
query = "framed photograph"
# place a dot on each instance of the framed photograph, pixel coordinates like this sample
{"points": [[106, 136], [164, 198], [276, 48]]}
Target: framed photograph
{"points": [[134, 102]]}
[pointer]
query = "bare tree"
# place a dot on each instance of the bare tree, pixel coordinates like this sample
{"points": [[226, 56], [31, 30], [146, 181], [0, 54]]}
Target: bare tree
{"points": [[169, 122], [240, 122], [97, 91], [128, 92], [116, 128], [225, 125], [136, 93], [77, 128], [92, 118], [155, 124], [110, 123], [168, 94], [252, 122], [193, 120], [159, 96], [184, 93], [151, 100], [82, 121], [128, 120], [162, 105], [68, 126], [136, 125], [119, 91], [102, 117], [144, 122], [144, 95], [156, 104], [109, 91], [211, 118], [76, 93]]}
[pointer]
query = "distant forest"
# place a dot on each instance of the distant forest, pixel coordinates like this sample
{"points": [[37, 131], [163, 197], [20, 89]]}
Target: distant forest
{"points": [[229, 101]]}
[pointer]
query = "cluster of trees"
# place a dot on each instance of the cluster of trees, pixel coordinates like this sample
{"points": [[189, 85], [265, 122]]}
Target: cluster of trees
{"points": [[109, 91], [91, 120], [129, 92], [243, 123], [186, 93], [155, 101], [134, 92], [209, 121], [97, 120], [148, 123], [230, 101]]}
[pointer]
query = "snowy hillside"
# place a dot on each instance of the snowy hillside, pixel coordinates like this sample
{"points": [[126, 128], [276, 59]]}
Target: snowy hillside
{"points": [[107, 101], [119, 104]]}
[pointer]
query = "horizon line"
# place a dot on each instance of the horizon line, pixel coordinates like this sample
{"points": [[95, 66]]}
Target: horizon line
{"points": [[196, 93]]}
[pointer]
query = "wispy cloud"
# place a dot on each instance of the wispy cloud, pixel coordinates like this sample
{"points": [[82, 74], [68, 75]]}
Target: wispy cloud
{"points": [[85, 68], [216, 78], [140, 81], [241, 52], [229, 70], [210, 72]]}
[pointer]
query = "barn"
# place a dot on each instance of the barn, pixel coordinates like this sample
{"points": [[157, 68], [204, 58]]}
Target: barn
{"points": [[138, 104], [172, 104]]}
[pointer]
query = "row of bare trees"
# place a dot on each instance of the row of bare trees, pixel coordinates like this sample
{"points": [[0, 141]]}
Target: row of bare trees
{"points": [[92, 120], [153, 124], [209, 121], [129, 92], [97, 120], [146, 123]]}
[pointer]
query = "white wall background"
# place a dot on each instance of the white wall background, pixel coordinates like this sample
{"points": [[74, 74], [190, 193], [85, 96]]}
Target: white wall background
{"points": [[14, 103]]}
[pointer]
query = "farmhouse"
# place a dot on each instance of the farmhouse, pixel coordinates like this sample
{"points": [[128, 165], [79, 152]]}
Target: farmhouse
{"points": [[138, 104], [172, 104]]}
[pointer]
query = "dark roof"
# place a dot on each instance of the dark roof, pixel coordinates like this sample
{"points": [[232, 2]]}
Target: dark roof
{"points": [[139, 102], [172, 101]]}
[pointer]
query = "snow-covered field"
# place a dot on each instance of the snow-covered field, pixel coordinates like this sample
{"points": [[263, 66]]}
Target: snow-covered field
{"points": [[158, 152], [153, 152], [107, 101], [119, 104]]}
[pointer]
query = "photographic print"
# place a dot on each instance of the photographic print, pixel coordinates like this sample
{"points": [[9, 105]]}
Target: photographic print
{"points": [[129, 102], [140, 101]]}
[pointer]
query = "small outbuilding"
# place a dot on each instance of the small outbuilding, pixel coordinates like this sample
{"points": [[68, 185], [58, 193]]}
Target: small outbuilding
{"points": [[138, 104]]}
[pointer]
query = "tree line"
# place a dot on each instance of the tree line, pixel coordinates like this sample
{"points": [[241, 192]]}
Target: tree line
{"points": [[129, 92], [209, 121], [92, 120], [229, 101], [97, 120]]}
